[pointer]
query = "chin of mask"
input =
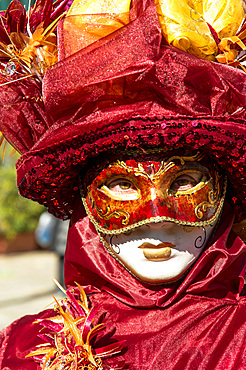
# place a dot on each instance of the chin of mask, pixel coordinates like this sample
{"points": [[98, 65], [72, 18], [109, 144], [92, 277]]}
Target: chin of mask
{"points": [[159, 252]]}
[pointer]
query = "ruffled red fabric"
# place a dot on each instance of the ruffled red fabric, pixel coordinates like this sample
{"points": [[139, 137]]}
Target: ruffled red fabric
{"points": [[23, 117], [198, 322], [17, 341]]}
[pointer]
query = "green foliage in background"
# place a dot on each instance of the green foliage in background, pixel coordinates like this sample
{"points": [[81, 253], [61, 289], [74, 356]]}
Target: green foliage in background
{"points": [[17, 214], [5, 3]]}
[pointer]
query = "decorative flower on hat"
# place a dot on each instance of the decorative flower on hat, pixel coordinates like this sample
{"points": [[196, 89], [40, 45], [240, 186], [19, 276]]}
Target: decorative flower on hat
{"points": [[68, 342], [202, 28], [28, 44]]}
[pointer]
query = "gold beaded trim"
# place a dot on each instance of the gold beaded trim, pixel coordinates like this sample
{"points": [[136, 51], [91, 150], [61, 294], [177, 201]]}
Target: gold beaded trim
{"points": [[157, 218], [36, 99]]}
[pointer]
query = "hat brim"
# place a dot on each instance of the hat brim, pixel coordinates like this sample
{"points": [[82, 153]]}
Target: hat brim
{"points": [[50, 174]]}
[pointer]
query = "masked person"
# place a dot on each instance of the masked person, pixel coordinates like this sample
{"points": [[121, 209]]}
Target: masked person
{"points": [[138, 134], [159, 207]]}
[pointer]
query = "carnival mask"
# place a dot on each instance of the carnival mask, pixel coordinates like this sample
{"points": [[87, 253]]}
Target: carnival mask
{"points": [[151, 211]]}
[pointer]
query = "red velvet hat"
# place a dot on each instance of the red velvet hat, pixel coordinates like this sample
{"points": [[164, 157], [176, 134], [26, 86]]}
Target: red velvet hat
{"points": [[130, 89]]}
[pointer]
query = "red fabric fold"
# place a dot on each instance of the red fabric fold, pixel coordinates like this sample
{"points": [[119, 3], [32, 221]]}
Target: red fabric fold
{"points": [[23, 117]]}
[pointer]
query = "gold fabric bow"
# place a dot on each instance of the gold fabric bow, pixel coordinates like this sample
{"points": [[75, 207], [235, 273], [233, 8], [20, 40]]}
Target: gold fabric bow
{"points": [[185, 23]]}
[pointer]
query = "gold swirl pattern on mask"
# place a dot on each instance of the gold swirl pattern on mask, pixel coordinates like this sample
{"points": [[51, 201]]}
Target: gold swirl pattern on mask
{"points": [[192, 158], [202, 207], [213, 197], [140, 171], [117, 214], [164, 166]]}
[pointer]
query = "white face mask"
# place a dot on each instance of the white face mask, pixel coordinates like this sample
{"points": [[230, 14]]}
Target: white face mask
{"points": [[164, 263]]}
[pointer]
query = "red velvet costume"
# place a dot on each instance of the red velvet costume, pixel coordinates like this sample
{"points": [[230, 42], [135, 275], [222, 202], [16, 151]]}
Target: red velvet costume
{"points": [[151, 94]]}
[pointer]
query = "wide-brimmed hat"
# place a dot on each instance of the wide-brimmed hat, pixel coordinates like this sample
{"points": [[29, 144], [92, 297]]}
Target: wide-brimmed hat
{"points": [[127, 90]]}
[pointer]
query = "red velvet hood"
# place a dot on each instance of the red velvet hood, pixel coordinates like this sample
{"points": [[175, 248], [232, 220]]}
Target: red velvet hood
{"points": [[219, 272]]}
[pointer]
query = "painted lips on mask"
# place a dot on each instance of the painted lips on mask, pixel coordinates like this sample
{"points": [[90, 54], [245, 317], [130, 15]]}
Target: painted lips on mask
{"points": [[160, 252]]}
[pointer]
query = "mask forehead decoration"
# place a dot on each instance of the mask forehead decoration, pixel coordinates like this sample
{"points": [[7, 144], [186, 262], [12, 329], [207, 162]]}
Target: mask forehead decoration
{"points": [[125, 194]]}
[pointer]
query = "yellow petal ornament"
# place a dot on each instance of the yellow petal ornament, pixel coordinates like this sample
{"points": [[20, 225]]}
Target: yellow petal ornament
{"points": [[184, 23], [98, 7], [88, 21], [224, 16]]}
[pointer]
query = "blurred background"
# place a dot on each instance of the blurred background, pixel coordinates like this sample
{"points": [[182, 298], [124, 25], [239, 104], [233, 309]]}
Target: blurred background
{"points": [[32, 243], [4, 3], [32, 246]]}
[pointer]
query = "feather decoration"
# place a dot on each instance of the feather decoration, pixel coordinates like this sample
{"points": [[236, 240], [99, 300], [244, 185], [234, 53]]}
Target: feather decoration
{"points": [[68, 344], [4, 143], [28, 39]]}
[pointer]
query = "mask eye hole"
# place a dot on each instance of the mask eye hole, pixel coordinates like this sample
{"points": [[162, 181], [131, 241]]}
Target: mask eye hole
{"points": [[120, 188], [120, 185], [186, 181]]}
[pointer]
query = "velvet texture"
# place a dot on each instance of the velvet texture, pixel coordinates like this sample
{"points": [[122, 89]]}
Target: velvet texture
{"points": [[199, 322]]}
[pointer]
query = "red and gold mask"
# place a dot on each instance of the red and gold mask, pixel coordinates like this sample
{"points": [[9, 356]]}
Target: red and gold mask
{"points": [[187, 190]]}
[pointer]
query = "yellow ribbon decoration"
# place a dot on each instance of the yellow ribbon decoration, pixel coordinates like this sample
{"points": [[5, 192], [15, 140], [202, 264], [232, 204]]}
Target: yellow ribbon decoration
{"points": [[229, 53], [184, 23]]}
